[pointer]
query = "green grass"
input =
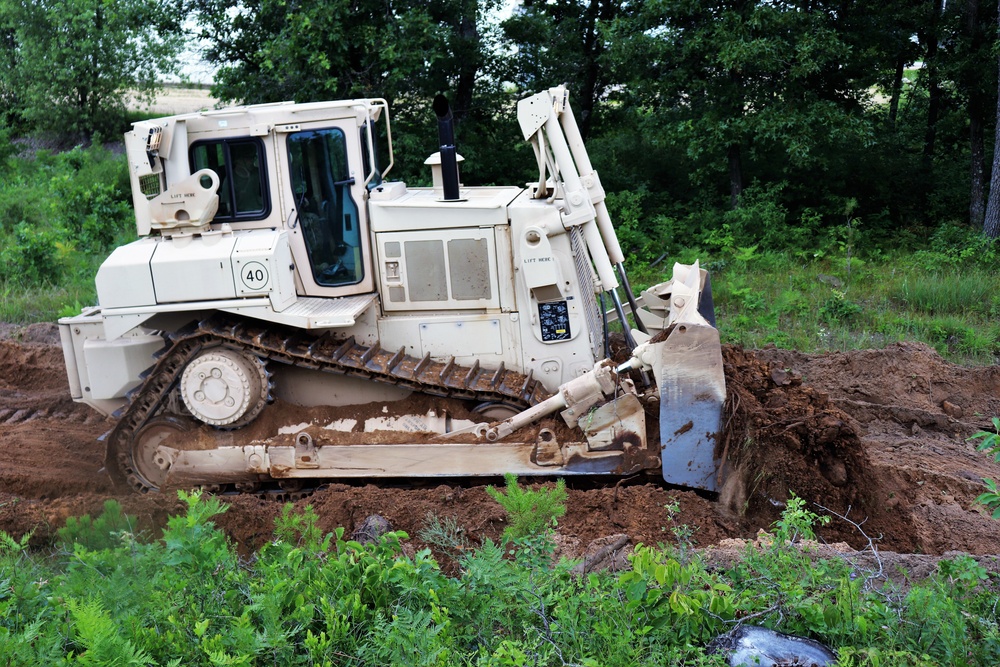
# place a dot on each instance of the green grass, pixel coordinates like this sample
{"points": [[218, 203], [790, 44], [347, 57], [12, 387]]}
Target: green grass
{"points": [[778, 299], [19, 305], [819, 305]]}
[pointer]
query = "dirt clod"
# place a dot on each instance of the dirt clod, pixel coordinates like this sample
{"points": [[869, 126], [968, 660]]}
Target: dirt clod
{"points": [[371, 529]]}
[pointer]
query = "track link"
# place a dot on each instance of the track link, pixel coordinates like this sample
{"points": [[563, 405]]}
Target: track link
{"points": [[323, 352]]}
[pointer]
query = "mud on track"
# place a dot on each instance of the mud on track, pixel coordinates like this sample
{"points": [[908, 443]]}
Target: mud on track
{"points": [[880, 433]]}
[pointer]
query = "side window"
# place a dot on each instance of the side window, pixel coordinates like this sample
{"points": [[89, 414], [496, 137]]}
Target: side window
{"points": [[242, 176], [321, 187]]}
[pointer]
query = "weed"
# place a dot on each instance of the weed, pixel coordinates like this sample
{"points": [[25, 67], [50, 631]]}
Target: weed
{"points": [[839, 309], [683, 533], [797, 522], [445, 534], [104, 532]]}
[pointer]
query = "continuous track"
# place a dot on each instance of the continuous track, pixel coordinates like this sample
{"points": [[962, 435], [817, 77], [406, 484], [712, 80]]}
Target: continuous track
{"points": [[322, 352]]}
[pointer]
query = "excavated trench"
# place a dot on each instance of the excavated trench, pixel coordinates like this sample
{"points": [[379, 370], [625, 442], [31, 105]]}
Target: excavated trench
{"points": [[876, 435]]}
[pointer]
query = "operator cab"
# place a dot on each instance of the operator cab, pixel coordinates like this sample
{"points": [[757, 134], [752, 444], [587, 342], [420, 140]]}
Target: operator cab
{"points": [[304, 168]]}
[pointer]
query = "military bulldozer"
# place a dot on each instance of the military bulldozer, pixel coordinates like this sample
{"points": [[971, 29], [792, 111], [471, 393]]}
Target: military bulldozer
{"points": [[289, 316]]}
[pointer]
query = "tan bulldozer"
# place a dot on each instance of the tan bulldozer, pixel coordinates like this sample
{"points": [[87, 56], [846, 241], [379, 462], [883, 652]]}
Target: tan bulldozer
{"points": [[289, 316]]}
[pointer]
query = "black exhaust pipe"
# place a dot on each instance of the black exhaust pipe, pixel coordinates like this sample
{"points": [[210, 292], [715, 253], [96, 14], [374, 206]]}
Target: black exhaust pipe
{"points": [[446, 137]]}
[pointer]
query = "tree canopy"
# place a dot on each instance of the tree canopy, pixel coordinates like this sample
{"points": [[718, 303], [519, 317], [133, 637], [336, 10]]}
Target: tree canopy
{"points": [[72, 65], [818, 111]]}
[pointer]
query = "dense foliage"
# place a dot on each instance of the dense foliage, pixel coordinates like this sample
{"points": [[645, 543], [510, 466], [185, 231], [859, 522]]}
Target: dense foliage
{"points": [[827, 160], [695, 107], [60, 215], [70, 67], [106, 596], [879, 111]]}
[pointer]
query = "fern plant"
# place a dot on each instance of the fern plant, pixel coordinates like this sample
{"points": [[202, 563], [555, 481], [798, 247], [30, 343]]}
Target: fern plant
{"points": [[529, 512], [990, 443]]}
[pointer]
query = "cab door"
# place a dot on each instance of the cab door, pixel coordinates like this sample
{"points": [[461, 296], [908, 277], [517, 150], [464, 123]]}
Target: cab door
{"points": [[327, 223]]}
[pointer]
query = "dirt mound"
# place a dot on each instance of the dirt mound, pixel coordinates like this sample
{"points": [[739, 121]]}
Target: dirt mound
{"points": [[784, 437], [914, 412], [880, 432]]}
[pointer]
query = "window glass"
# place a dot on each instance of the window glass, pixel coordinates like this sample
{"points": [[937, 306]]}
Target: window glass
{"points": [[321, 187], [242, 177]]}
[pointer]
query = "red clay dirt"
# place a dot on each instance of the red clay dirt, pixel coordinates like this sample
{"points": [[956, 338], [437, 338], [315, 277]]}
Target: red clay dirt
{"points": [[877, 435]]}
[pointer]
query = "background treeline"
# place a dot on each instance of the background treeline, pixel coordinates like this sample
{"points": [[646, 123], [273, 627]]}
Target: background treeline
{"points": [[880, 110], [832, 159]]}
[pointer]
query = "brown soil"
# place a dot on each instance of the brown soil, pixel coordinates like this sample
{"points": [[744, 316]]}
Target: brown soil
{"points": [[876, 435]]}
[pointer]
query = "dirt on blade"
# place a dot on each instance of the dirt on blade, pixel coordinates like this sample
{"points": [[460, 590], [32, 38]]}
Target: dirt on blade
{"points": [[877, 435]]}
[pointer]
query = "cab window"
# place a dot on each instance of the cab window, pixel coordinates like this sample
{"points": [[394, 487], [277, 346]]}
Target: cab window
{"points": [[321, 188], [242, 176]]}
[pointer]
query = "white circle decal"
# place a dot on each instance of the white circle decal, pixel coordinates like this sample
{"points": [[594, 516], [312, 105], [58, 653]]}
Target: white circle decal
{"points": [[254, 275]]}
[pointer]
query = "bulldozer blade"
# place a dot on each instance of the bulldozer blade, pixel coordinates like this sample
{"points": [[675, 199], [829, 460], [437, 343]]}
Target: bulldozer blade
{"points": [[692, 388]]}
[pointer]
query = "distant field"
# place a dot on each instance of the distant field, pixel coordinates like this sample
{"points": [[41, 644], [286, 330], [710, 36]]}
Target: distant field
{"points": [[177, 99]]}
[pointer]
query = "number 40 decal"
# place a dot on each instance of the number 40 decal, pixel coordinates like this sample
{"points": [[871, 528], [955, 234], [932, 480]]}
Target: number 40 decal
{"points": [[254, 275]]}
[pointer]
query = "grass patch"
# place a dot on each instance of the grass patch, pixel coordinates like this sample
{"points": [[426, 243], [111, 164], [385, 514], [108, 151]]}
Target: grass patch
{"points": [[823, 304]]}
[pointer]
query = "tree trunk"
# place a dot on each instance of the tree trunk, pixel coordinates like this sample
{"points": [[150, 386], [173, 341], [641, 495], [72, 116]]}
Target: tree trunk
{"points": [[468, 50], [592, 49], [977, 171], [933, 84], [897, 89], [976, 113], [991, 224], [735, 175]]}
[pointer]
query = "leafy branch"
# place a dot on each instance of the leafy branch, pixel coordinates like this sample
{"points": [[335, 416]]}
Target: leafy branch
{"points": [[990, 443]]}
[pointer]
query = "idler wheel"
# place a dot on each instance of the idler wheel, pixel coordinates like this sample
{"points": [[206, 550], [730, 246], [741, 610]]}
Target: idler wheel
{"points": [[149, 464], [225, 387], [496, 411]]}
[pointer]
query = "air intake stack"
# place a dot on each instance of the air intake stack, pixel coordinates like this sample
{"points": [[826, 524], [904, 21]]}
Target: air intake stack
{"points": [[448, 165]]}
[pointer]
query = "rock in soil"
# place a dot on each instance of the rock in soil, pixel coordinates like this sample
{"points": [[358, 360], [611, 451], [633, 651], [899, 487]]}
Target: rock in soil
{"points": [[753, 646]]}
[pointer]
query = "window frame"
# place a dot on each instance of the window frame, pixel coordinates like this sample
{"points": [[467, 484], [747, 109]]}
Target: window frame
{"points": [[230, 183]]}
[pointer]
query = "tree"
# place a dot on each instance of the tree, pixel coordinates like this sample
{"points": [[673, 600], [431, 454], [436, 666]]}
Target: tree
{"points": [[969, 67], [780, 84], [10, 99], [271, 50], [564, 41], [405, 51], [78, 61], [991, 224]]}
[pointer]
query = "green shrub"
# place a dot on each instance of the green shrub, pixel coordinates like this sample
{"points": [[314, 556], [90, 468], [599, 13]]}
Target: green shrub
{"points": [[990, 443], [839, 309], [308, 598], [104, 532], [32, 255]]}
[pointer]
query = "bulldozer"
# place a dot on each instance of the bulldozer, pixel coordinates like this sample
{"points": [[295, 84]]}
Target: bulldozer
{"points": [[288, 316]]}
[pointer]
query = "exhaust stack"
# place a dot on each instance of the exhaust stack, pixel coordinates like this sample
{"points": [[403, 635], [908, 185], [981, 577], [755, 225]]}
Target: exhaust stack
{"points": [[446, 138]]}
